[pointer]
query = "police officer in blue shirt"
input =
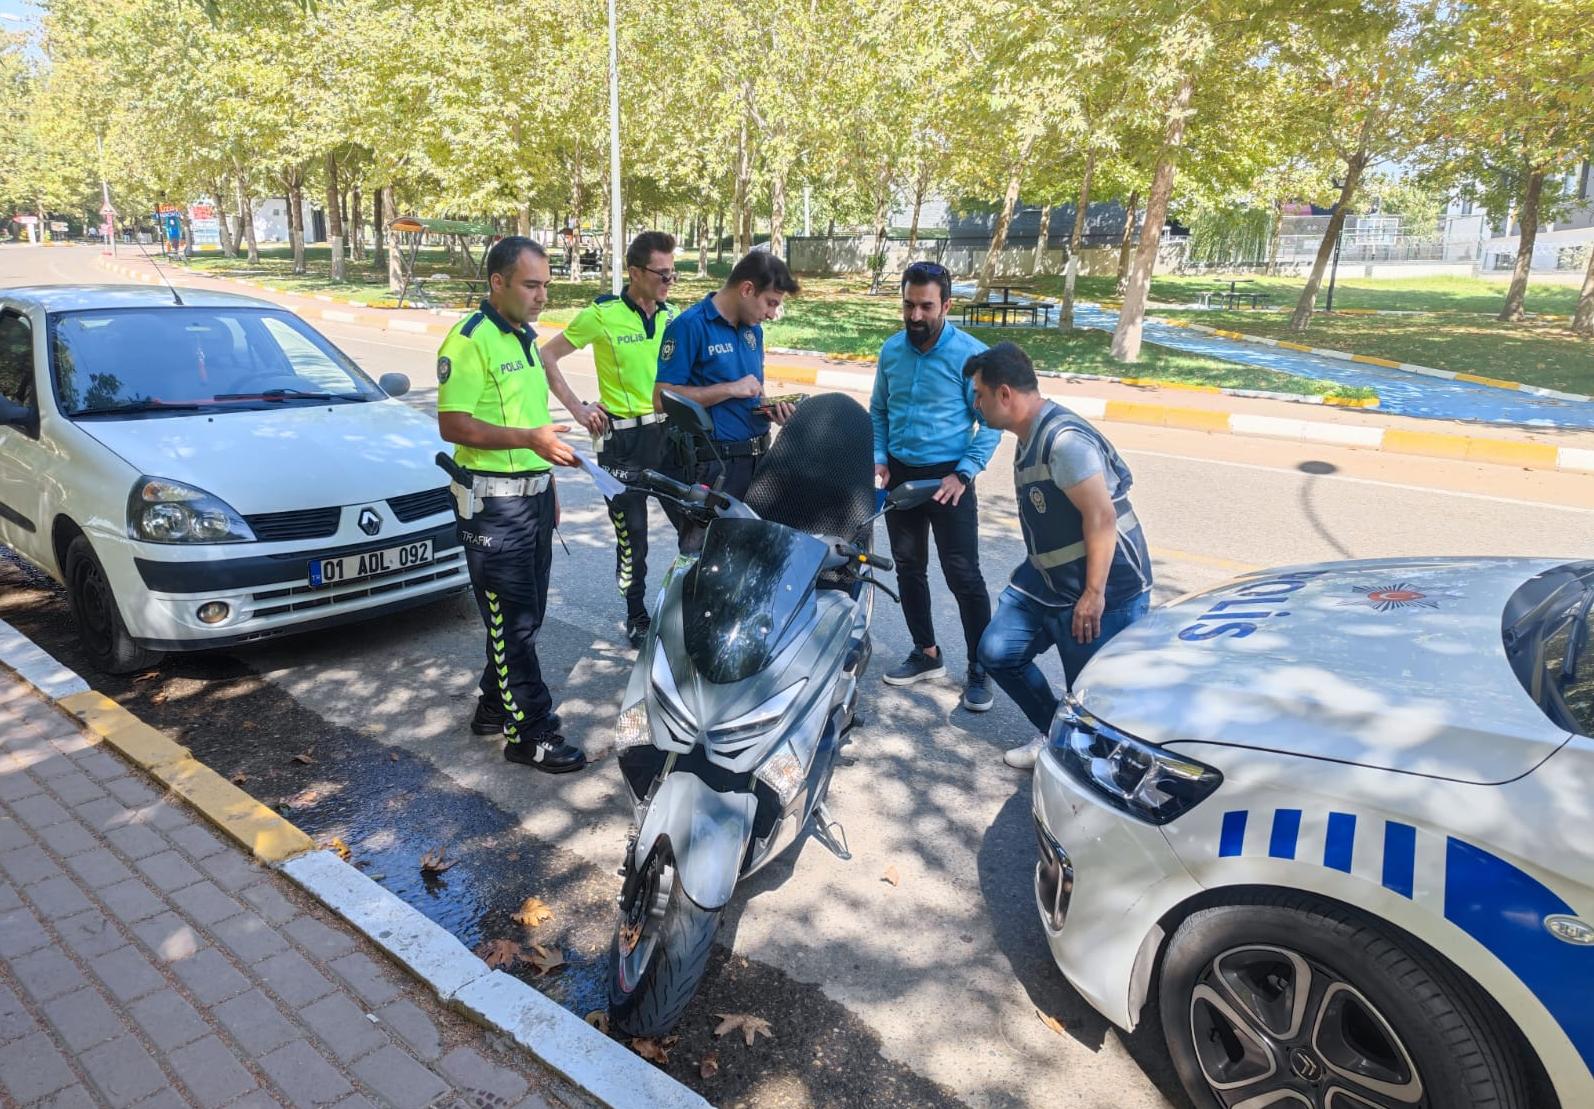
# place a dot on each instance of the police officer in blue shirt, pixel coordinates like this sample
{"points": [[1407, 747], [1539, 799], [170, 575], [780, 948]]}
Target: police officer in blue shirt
{"points": [[713, 353], [926, 426]]}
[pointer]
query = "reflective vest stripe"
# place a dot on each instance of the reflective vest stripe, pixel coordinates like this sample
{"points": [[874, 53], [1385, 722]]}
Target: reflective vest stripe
{"points": [[1062, 556]]}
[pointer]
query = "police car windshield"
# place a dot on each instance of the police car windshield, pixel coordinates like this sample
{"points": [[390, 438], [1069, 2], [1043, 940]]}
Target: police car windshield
{"points": [[1547, 633], [151, 362]]}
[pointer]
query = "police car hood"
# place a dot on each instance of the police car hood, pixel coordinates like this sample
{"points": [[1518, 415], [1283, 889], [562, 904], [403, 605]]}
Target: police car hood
{"points": [[285, 458], [1397, 664]]}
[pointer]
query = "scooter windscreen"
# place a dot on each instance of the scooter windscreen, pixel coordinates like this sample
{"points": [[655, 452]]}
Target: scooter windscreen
{"points": [[752, 580]]}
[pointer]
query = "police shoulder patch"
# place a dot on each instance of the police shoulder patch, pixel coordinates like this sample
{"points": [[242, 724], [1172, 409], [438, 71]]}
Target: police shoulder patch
{"points": [[444, 368], [667, 350]]}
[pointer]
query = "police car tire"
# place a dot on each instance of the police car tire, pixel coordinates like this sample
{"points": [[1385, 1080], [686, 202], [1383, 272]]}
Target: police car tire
{"points": [[102, 633], [1464, 1048], [673, 974]]}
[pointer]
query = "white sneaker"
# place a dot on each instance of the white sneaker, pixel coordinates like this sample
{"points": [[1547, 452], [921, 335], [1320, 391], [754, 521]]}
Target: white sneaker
{"points": [[1023, 758]]}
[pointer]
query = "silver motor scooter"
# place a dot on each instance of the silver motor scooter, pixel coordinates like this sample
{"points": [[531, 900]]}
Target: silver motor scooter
{"points": [[743, 692]]}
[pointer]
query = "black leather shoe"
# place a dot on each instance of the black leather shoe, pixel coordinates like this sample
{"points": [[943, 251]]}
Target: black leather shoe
{"points": [[489, 719], [636, 629], [548, 752]]}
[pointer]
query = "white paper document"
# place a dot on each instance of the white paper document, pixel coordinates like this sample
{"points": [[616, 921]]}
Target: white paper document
{"points": [[607, 483]]}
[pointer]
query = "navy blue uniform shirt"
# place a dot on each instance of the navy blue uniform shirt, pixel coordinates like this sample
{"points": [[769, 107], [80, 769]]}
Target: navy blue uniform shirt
{"points": [[702, 348]]}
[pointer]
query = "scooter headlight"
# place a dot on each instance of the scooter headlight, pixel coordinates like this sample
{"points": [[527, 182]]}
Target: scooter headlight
{"points": [[760, 719], [782, 773], [632, 729]]}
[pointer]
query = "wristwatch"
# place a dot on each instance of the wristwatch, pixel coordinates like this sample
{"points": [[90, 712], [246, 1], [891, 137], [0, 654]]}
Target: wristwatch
{"points": [[961, 476]]}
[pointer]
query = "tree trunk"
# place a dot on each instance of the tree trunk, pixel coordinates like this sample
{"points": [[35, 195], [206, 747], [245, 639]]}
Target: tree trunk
{"points": [[982, 288], [702, 244], [719, 236], [739, 202], [395, 258], [246, 218], [1276, 239], [523, 220], [1583, 318], [229, 245], [918, 207], [1128, 240], [1045, 233], [357, 210], [777, 214], [335, 219], [1325, 249], [293, 183], [1132, 316], [1528, 222], [378, 231], [1076, 242], [882, 215]]}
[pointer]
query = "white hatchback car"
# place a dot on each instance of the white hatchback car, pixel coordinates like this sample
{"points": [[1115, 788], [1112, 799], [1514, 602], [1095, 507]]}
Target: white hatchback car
{"points": [[1338, 821], [210, 471]]}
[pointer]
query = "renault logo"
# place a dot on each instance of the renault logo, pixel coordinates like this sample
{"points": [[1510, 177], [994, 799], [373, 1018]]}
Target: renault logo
{"points": [[370, 522]]}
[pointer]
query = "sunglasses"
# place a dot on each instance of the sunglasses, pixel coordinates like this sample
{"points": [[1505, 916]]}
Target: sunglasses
{"points": [[669, 277], [918, 271]]}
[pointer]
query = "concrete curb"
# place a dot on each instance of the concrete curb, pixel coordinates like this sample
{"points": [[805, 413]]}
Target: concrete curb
{"points": [[1370, 360], [560, 1040]]}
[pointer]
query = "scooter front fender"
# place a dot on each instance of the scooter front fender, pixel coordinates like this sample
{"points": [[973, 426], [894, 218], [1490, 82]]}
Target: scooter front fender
{"points": [[708, 834]]}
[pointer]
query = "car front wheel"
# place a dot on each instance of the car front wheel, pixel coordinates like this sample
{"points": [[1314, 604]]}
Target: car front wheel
{"points": [[1289, 1001], [99, 622]]}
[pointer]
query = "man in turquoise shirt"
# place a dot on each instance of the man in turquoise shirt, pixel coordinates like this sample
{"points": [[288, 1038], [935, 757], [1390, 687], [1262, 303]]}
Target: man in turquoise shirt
{"points": [[926, 426]]}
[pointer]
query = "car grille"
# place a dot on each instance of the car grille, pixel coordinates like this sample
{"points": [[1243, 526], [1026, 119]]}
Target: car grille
{"points": [[415, 506], [308, 523]]}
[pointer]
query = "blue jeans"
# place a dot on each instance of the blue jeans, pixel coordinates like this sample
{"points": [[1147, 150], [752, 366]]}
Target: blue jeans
{"points": [[1023, 628]]}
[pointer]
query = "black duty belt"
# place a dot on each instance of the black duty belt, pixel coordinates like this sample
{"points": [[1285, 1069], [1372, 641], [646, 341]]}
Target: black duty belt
{"points": [[735, 448]]}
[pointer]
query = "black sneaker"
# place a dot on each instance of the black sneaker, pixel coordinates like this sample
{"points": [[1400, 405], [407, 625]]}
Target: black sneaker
{"points": [[489, 719], [548, 752], [916, 668], [636, 629], [977, 693]]}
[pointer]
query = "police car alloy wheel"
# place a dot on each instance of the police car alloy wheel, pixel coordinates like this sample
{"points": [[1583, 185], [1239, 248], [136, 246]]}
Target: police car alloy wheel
{"points": [[1287, 1000]]}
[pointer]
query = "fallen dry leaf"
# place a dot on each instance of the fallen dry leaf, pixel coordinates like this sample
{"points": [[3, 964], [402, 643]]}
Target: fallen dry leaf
{"points": [[337, 844], [305, 757], [500, 953], [433, 862], [891, 876], [1050, 1022], [512, 857], [599, 1019], [146, 676], [545, 960], [749, 1025], [709, 1065], [630, 936], [303, 799], [532, 913], [655, 1051], [239, 778], [392, 756]]}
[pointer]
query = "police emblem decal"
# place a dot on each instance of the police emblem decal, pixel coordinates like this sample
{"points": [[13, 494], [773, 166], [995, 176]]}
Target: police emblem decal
{"points": [[1038, 499], [750, 339], [667, 350], [444, 368]]}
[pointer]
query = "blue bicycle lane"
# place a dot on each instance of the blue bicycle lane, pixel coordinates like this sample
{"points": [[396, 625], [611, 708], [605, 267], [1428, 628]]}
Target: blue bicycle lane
{"points": [[1399, 392]]}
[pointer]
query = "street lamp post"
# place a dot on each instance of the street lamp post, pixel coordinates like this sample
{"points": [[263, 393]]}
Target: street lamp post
{"points": [[1334, 269], [616, 222]]}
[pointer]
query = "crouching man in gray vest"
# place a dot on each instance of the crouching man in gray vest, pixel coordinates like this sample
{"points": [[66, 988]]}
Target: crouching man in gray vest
{"points": [[1088, 574]]}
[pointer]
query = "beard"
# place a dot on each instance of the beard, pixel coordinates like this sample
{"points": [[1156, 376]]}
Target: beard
{"points": [[921, 330]]}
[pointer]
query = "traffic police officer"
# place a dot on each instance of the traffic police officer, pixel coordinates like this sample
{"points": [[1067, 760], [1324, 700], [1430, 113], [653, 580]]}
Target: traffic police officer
{"points": [[492, 404], [713, 353], [1088, 574], [625, 333]]}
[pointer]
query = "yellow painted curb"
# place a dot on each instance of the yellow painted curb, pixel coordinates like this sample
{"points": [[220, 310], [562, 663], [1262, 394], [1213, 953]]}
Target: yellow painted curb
{"points": [[271, 838], [1432, 444], [1295, 346], [801, 375], [1370, 360], [1161, 415], [1505, 452], [1152, 382], [1478, 379], [1352, 402]]}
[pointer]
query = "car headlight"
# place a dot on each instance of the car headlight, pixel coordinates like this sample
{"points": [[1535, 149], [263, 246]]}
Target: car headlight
{"points": [[161, 511], [1137, 777], [782, 773], [760, 719]]}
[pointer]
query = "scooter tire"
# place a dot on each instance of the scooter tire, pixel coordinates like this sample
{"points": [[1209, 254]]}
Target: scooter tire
{"points": [[670, 981]]}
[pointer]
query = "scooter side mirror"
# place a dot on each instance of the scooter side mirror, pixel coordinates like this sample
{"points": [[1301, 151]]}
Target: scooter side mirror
{"points": [[687, 416], [911, 494]]}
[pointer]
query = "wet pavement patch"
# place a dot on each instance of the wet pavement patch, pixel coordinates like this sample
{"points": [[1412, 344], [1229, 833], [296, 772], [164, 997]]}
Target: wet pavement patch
{"points": [[388, 808]]}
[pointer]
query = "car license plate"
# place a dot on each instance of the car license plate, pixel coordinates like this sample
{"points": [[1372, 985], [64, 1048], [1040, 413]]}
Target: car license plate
{"points": [[333, 571]]}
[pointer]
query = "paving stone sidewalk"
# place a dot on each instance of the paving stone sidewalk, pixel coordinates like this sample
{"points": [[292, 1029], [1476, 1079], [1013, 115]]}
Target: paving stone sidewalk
{"points": [[146, 961]]}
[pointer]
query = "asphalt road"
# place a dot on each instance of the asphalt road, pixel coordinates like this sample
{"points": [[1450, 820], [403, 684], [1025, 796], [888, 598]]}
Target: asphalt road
{"points": [[922, 993]]}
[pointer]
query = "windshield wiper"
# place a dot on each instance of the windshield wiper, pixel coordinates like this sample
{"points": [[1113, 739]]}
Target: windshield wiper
{"points": [[137, 406], [1578, 638], [288, 394]]}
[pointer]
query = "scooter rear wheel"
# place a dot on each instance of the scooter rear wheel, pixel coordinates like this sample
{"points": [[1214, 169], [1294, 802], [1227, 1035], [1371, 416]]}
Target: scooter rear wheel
{"points": [[648, 996]]}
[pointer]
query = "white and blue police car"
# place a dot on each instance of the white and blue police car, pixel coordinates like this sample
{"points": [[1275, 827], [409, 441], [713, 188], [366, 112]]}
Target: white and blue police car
{"points": [[1334, 825]]}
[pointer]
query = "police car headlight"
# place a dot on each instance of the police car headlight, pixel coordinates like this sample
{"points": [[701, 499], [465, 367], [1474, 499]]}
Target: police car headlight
{"points": [[161, 511], [1130, 774]]}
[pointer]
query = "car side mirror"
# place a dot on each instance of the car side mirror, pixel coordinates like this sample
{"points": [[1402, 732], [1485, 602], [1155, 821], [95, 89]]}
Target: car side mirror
{"points": [[687, 415], [911, 494], [394, 385], [19, 416]]}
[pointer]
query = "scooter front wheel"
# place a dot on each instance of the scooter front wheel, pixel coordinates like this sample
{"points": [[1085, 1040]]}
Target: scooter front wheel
{"points": [[658, 956]]}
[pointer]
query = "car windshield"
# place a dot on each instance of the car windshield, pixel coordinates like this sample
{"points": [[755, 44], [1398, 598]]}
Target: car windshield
{"points": [[128, 362], [1547, 638]]}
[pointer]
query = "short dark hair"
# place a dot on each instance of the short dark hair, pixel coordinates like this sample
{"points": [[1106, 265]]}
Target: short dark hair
{"points": [[646, 245], [765, 271], [929, 273], [1004, 364], [505, 254]]}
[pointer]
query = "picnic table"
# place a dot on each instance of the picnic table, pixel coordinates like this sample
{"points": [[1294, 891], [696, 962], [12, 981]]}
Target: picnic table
{"points": [[1007, 309], [1231, 294]]}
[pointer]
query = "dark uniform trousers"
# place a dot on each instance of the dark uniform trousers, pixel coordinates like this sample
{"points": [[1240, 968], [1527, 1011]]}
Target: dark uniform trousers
{"points": [[738, 471], [625, 454], [509, 552], [956, 529]]}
